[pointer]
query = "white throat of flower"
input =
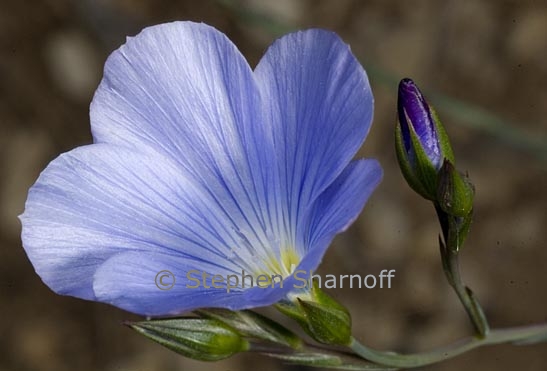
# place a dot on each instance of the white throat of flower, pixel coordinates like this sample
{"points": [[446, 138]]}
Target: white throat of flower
{"points": [[270, 259]]}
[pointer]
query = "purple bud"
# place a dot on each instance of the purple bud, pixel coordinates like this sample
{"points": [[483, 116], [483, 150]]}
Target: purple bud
{"points": [[414, 111], [420, 140]]}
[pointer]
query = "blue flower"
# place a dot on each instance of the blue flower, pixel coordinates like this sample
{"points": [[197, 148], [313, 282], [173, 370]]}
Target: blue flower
{"points": [[199, 163]]}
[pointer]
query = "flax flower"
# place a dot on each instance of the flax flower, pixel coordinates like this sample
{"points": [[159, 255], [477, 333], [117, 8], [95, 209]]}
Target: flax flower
{"points": [[201, 163]]}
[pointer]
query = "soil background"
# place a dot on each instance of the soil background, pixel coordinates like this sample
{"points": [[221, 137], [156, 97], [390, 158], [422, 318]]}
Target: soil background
{"points": [[482, 63]]}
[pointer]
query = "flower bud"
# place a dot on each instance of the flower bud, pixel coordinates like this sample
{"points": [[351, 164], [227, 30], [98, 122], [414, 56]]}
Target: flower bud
{"points": [[322, 317], [421, 141], [201, 339]]}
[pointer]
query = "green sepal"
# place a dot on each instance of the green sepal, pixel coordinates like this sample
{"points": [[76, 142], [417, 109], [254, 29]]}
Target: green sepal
{"points": [[455, 192], [442, 137], [421, 175], [201, 339], [253, 325], [327, 324], [320, 316], [425, 171], [463, 226], [292, 310], [455, 229], [404, 163]]}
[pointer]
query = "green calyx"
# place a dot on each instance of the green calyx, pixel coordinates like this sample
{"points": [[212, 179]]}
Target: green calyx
{"points": [[254, 326], [321, 317], [455, 192], [201, 339], [442, 137]]}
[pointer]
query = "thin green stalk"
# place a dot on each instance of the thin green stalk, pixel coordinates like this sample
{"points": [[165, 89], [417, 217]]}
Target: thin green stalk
{"points": [[525, 334], [468, 300], [454, 233]]}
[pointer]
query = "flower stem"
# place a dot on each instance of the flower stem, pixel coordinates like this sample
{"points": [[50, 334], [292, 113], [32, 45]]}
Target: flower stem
{"points": [[454, 232], [524, 334], [466, 296]]}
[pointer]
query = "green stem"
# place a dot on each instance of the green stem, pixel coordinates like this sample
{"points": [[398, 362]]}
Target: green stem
{"points": [[496, 336], [470, 303], [454, 232]]}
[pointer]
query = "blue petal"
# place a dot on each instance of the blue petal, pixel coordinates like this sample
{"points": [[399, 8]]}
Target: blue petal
{"points": [[333, 212], [338, 207], [133, 281], [98, 201], [319, 104], [183, 90]]}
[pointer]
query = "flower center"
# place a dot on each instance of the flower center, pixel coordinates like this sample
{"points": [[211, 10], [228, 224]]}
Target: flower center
{"points": [[283, 265]]}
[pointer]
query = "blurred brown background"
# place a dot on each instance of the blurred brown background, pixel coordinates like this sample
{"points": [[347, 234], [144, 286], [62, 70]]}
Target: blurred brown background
{"points": [[481, 62]]}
